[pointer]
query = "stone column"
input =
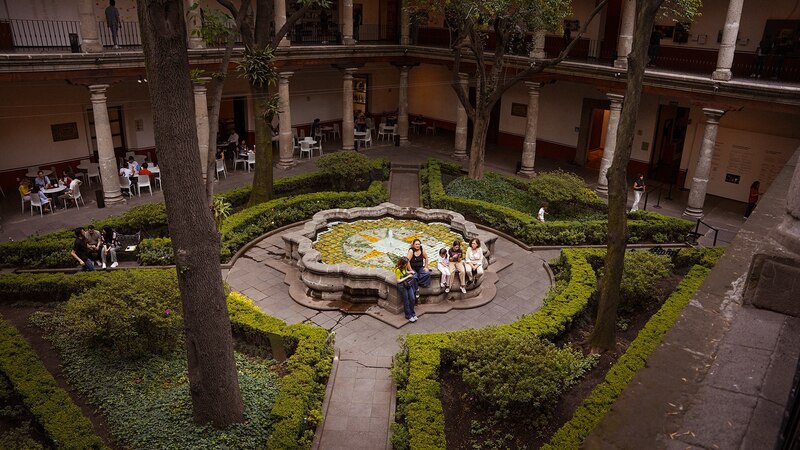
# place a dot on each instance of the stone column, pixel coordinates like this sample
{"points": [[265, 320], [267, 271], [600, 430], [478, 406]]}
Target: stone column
{"points": [[201, 119], [193, 24], [625, 39], [286, 156], [461, 119], [90, 35], [347, 110], [728, 46], [280, 21], [788, 232], [611, 142], [402, 109], [538, 45], [697, 195], [405, 24], [105, 146], [529, 146], [347, 23]]}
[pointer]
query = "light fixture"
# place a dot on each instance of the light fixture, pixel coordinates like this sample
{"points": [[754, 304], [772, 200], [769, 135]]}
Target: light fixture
{"points": [[141, 79]]}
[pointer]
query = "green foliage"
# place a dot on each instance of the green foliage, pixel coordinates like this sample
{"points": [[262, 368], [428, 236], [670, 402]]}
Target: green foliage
{"points": [[258, 66], [216, 28], [51, 406], [156, 252], [346, 171], [567, 195], [641, 225], [134, 313], [519, 372], [706, 257], [493, 188], [640, 277], [45, 287], [599, 402], [221, 210]]}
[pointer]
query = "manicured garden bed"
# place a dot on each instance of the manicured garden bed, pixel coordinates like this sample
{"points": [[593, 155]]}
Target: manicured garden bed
{"points": [[442, 394]]}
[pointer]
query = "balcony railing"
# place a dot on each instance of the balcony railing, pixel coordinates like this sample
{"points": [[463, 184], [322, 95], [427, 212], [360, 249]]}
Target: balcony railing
{"points": [[127, 34], [42, 33]]}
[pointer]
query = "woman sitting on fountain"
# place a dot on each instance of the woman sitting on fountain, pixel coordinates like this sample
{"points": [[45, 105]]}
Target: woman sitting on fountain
{"points": [[474, 262], [405, 287], [419, 264]]}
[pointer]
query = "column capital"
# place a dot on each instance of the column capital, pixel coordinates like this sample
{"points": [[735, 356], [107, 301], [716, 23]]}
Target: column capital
{"points": [[98, 88], [713, 115], [533, 86], [463, 77], [616, 100], [284, 76], [348, 73], [200, 84]]}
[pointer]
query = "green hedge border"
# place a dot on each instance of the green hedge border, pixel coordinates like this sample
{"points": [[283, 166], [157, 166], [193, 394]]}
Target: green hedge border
{"points": [[642, 225], [297, 408], [599, 402], [419, 397], [62, 420]]}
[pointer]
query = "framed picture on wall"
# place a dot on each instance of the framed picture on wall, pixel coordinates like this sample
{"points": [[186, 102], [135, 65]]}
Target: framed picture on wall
{"points": [[519, 110], [64, 131]]}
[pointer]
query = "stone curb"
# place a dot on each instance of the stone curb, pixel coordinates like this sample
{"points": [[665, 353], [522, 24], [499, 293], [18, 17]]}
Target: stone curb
{"points": [[326, 402]]}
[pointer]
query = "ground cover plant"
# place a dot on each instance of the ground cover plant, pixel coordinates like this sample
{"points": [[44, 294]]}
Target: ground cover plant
{"points": [[577, 214], [18, 430], [448, 398], [142, 389]]}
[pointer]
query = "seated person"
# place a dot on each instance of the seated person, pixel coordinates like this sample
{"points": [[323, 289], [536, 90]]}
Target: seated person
{"points": [[94, 243], [242, 149], [456, 257], [361, 123], [66, 178], [220, 155], [43, 199], [133, 164], [25, 189], [74, 188], [127, 172], [41, 180], [315, 129], [109, 246], [144, 171], [474, 261]]}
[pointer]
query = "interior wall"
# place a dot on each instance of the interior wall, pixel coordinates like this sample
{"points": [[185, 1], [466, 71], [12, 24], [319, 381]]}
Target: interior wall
{"points": [[751, 144], [430, 93]]}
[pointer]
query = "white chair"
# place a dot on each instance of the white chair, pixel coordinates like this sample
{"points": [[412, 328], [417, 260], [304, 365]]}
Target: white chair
{"points": [[431, 128], [305, 147], [384, 132], [251, 161], [336, 131], [295, 145], [318, 147], [239, 160], [37, 202], [23, 201], [294, 133], [77, 196], [157, 179], [221, 168], [78, 174], [125, 184], [144, 182], [93, 172], [367, 140]]}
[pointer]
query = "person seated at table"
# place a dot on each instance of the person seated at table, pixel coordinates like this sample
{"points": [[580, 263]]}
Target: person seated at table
{"points": [[72, 192], [361, 123], [242, 149], [66, 178], [145, 170], [133, 164], [220, 155], [315, 128], [25, 192], [128, 172], [43, 199], [41, 180]]}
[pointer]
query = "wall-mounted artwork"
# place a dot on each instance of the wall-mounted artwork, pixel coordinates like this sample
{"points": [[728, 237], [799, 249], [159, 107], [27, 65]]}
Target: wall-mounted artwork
{"points": [[519, 110], [64, 131]]}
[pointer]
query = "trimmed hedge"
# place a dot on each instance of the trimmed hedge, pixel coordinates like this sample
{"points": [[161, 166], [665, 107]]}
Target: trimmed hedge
{"points": [[642, 226], [297, 409], [62, 420], [240, 228], [598, 403], [418, 390], [52, 250]]}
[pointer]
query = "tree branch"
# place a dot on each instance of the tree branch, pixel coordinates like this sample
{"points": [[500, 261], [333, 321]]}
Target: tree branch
{"points": [[290, 21]]}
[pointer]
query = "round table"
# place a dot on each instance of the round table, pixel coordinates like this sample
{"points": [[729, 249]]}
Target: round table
{"points": [[418, 126], [53, 193]]}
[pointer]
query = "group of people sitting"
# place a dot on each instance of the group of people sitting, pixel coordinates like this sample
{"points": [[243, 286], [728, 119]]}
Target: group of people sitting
{"points": [[242, 150], [412, 271], [93, 248], [132, 170], [42, 182]]}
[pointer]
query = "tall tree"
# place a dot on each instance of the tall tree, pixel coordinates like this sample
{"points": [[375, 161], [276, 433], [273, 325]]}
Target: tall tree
{"points": [[510, 22], [213, 381], [603, 335]]}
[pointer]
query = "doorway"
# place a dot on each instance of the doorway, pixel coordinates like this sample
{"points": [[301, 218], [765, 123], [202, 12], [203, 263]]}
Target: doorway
{"points": [[665, 161], [595, 146]]}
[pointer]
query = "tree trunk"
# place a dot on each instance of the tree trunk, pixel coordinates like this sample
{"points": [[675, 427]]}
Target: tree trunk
{"points": [[477, 148], [603, 335], [213, 381], [262, 178], [214, 105]]}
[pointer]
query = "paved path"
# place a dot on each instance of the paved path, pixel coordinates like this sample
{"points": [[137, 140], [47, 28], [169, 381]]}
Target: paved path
{"points": [[359, 409]]}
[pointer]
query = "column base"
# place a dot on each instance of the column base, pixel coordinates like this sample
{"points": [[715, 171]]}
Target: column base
{"points": [[286, 163], [460, 154], [620, 63], [404, 141], [196, 42], [91, 46], [693, 213], [284, 43], [788, 235], [348, 41], [113, 198], [602, 191], [527, 173], [722, 75]]}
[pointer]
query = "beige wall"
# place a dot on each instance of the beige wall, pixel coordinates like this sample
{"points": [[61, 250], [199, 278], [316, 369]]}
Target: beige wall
{"points": [[430, 93]]}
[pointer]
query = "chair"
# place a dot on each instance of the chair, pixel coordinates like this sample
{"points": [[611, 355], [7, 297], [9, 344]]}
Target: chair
{"points": [[77, 196], [294, 132], [336, 131], [37, 202], [221, 168], [305, 147], [366, 141], [157, 179], [251, 161], [431, 128], [384, 132], [302, 133], [78, 174], [144, 182], [239, 160], [317, 146], [23, 201], [94, 172], [125, 184]]}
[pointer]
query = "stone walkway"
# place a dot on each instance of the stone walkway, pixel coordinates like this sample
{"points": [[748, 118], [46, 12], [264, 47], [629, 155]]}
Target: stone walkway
{"points": [[359, 408]]}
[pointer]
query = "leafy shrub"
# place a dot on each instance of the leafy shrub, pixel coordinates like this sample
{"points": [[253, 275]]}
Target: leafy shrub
{"points": [[706, 257], [156, 252], [640, 277], [346, 171], [566, 193], [493, 188], [132, 312], [515, 372]]}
